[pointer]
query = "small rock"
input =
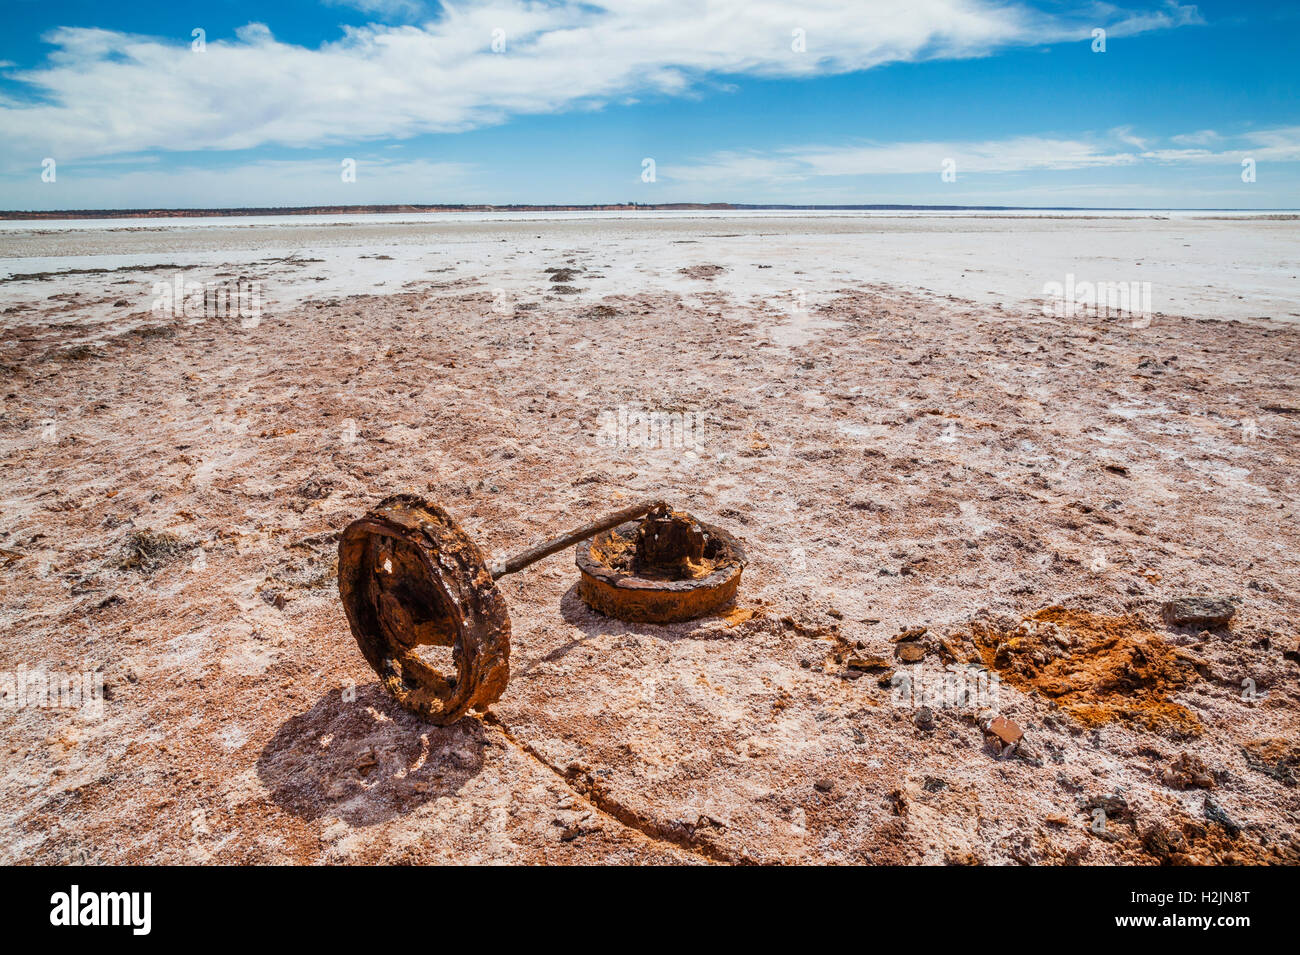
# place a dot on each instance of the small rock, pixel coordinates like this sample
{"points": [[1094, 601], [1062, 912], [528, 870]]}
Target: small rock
{"points": [[1188, 771], [910, 652], [1199, 611], [1216, 813], [824, 785], [1115, 807], [866, 661], [1006, 730]]}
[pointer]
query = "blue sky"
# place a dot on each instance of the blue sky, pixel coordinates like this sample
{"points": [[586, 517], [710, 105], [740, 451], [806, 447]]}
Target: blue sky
{"points": [[822, 101]]}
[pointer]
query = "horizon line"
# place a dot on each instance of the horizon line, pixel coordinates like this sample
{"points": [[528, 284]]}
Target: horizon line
{"points": [[385, 208]]}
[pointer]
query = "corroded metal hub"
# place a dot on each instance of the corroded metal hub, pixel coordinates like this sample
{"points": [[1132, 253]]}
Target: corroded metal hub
{"points": [[667, 567], [410, 577]]}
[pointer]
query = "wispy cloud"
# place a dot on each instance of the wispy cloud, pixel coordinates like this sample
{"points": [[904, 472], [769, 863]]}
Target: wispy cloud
{"points": [[1010, 155], [105, 92], [1203, 137], [907, 158], [400, 10], [105, 184], [1280, 144]]}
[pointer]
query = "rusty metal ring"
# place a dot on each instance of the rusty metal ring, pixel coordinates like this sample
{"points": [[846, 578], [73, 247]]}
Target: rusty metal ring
{"points": [[410, 577], [627, 596]]}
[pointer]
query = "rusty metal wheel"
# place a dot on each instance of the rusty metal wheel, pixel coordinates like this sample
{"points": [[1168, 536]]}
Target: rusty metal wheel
{"points": [[664, 569], [409, 577]]}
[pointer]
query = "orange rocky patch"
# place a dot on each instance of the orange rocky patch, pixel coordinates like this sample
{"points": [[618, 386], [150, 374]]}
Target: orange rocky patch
{"points": [[1096, 668]]}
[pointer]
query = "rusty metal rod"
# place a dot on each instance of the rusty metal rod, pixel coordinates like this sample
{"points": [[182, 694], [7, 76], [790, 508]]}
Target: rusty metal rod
{"points": [[546, 548]]}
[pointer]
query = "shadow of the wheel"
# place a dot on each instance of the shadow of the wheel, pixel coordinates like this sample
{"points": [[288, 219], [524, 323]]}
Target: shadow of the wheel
{"points": [[366, 760]]}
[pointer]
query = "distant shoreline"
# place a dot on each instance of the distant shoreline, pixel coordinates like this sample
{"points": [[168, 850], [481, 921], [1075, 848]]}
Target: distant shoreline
{"points": [[10, 215]]}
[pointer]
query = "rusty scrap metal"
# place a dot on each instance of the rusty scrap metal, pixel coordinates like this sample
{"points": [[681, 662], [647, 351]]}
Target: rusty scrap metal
{"points": [[1006, 730], [667, 568], [536, 553], [409, 576]]}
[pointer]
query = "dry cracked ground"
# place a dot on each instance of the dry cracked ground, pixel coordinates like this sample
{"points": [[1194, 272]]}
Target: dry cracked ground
{"points": [[996, 486]]}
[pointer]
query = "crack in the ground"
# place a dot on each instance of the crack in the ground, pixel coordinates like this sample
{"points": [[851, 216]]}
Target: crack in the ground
{"points": [[588, 789]]}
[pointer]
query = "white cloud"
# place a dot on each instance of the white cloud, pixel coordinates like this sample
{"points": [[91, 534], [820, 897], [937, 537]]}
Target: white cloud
{"points": [[1117, 23], [98, 184], [905, 172], [1203, 137], [908, 158], [1280, 144], [1126, 135], [105, 92], [1013, 154]]}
